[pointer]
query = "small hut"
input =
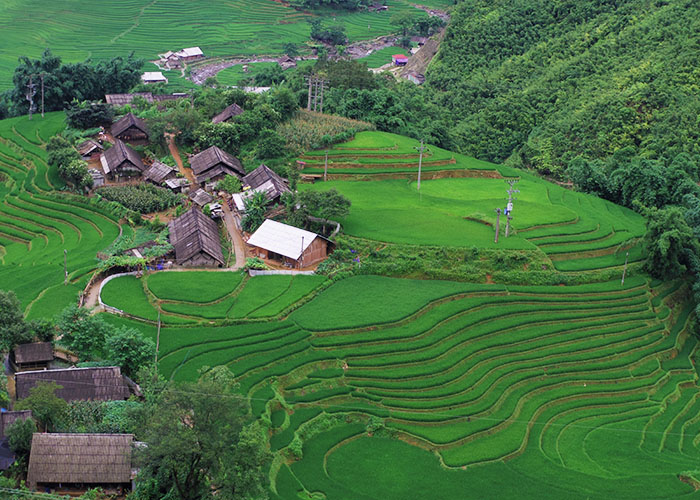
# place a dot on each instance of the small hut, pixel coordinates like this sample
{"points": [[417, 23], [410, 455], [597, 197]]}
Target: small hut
{"points": [[98, 178], [153, 77], [287, 62], [177, 184], [130, 128], [120, 159], [262, 179], [213, 164], [400, 59], [190, 54], [103, 383], [77, 462], [159, 172], [228, 113], [196, 240], [34, 356], [89, 148], [292, 246]]}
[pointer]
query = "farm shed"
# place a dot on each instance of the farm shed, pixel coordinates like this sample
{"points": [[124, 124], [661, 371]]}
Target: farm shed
{"points": [[89, 148], [130, 128], [98, 178], [104, 383], [34, 356], [262, 179], [153, 77], [213, 164], [196, 240], [120, 159], [416, 78], [287, 62], [124, 99], [228, 113], [159, 172], [80, 461], [201, 197], [400, 59], [190, 54], [292, 246], [176, 184]]}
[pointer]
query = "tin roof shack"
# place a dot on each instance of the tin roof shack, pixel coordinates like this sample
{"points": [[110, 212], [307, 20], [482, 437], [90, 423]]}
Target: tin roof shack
{"points": [[196, 240], [78, 462], [400, 59], [292, 246], [104, 383], [153, 77], [89, 148], [228, 113], [213, 164], [98, 178], [121, 160], [130, 128], [190, 54], [159, 172], [34, 356]]}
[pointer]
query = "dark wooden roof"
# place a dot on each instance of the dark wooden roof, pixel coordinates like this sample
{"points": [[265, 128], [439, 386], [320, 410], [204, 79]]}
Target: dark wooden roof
{"points": [[228, 113], [118, 154], [36, 352], [8, 418], [158, 172], [87, 147], [124, 99], [204, 164], [80, 458], [98, 383], [201, 197], [194, 232], [126, 122], [265, 179]]}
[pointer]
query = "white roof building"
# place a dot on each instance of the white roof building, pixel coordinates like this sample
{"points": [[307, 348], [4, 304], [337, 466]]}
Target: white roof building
{"points": [[282, 239], [190, 52], [153, 77]]}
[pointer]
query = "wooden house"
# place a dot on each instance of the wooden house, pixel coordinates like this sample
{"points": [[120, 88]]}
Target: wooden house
{"points": [[159, 172], [262, 179], [98, 178], [200, 197], [78, 462], [34, 356], [104, 383], [130, 128], [190, 54], [90, 148], [291, 246], [196, 240], [124, 99], [228, 113], [287, 62], [153, 77], [400, 59], [177, 184], [121, 160], [213, 164]]}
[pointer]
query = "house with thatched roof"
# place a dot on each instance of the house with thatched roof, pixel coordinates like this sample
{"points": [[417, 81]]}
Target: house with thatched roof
{"points": [[34, 356], [159, 172], [121, 160], [77, 462], [287, 62], [213, 164], [228, 113], [196, 240], [291, 246], [88, 148], [130, 128], [102, 383]]}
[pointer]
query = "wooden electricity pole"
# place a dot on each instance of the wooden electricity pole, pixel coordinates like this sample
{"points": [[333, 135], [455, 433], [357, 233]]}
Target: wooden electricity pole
{"points": [[65, 266], [509, 207], [420, 148], [624, 271], [498, 223], [30, 95], [325, 168], [42, 93], [309, 79]]}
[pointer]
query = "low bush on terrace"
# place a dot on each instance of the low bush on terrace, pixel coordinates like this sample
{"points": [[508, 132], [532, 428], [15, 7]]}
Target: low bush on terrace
{"points": [[142, 198]]}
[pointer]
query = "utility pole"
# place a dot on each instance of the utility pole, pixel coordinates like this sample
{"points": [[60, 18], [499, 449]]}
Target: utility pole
{"points": [[498, 223], [624, 271], [316, 87], [325, 168], [42, 93], [420, 148], [65, 266], [509, 207], [309, 79], [31, 90]]}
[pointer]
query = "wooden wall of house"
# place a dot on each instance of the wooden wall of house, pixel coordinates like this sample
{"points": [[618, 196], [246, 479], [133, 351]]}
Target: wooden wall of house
{"points": [[200, 259], [316, 252]]}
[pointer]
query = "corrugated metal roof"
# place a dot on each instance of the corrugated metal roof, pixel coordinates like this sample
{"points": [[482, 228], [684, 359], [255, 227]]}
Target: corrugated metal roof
{"points": [[153, 76], [280, 238]]}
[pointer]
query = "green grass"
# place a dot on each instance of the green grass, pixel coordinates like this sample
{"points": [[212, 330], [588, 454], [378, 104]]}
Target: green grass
{"points": [[193, 286], [381, 57]]}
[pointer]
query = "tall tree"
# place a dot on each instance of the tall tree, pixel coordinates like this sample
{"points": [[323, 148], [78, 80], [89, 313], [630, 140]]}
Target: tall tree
{"points": [[670, 244], [13, 329], [47, 408]]}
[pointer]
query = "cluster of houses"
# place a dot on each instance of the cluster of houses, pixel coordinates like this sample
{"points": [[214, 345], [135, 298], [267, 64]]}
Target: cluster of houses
{"points": [[66, 462], [176, 60], [194, 235]]}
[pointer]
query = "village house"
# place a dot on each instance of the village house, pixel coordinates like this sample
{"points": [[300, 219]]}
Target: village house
{"points": [[153, 77], [190, 54], [103, 383], [213, 164], [159, 172], [262, 179], [400, 59], [177, 184], [88, 148], [34, 356], [119, 100], [130, 128], [228, 113], [200, 197], [77, 462], [121, 160], [287, 62], [7, 418], [291, 246], [196, 240]]}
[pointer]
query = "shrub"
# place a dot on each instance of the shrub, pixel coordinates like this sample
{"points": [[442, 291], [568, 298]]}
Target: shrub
{"points": [[142, 198], [310, 130]]}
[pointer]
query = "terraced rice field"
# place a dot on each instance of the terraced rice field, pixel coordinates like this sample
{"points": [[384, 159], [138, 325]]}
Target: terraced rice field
{"points": [[36, 225], [75, 30], [568, 392]]}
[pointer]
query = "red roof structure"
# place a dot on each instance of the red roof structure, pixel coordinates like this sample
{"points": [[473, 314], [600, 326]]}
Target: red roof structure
{"points": [[400, 58]]}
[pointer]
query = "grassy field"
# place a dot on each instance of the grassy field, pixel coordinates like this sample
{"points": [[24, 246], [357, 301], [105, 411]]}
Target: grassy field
{"points": [[75, 30], [37, 225], [381, 57]]}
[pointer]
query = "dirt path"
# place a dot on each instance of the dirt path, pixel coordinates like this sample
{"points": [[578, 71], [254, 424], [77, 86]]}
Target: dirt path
{"points": [[236, 238], [178, 160]]}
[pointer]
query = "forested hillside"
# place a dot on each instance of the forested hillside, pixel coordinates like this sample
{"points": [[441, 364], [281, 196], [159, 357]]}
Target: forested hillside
{"points": [[542, 81]]}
